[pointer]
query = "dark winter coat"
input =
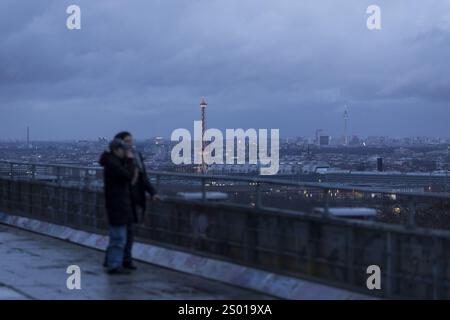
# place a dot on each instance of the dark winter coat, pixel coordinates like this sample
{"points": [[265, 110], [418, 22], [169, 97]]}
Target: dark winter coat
{"points": [[142, 185], [117, 176]]}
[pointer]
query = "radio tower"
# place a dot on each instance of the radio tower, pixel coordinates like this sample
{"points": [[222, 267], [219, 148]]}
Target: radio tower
{"points": [[28, 137], [346, 126], [203, 105]]}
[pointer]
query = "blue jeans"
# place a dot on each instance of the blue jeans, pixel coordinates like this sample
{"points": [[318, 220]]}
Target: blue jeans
{"points": [[116, 247]]}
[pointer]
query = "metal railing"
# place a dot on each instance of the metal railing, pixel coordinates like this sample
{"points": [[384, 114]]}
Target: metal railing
{"points": [[258, 192], [333, 251]]}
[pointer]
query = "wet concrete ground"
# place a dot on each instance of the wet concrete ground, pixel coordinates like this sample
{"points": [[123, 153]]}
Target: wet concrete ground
{"points": [[33, 266]]}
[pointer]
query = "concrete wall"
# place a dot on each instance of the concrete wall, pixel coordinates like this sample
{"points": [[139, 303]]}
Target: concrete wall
{"points": [[414, 262]]}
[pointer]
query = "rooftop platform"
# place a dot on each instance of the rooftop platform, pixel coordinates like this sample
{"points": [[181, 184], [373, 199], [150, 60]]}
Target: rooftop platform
{"points": [[34, 267]]}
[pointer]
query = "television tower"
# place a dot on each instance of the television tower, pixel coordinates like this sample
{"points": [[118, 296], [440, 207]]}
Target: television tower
{"points": [[346, 126], [203, 105], [28, 137]]}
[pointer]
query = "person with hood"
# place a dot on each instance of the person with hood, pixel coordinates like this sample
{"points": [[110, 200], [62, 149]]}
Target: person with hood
{"points": [[119, 175]]}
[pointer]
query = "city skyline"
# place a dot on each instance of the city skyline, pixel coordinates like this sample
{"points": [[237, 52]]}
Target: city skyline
{"points": [[333, 140], [286, 65]]}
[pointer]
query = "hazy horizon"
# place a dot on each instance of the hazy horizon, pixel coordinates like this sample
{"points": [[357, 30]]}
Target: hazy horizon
{"points": [[141, 139]]}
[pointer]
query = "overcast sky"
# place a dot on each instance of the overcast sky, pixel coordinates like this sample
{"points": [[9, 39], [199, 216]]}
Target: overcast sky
{"points": [[143, 65]]}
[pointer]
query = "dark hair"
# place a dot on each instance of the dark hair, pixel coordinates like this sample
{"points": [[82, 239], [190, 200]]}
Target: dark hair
{"points": [[122, 135], [118, 144]]}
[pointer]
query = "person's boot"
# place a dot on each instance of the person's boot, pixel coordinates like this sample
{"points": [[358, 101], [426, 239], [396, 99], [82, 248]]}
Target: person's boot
{"points": [[119, 271], [130, 266]]}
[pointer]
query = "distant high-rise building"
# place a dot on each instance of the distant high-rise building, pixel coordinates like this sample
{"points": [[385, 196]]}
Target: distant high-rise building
{"points": [[102, 140], [346, 126], [324, 140], [380, 165], [355, 141], [28, 138], [158, 140], [318, 131]]}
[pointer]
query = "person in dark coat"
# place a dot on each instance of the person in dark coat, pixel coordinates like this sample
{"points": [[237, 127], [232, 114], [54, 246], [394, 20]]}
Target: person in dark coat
{"points": [[139, 188], [143, 185], [119, 175]]}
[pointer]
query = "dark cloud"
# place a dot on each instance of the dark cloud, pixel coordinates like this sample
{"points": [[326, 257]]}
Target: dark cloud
{"points": [[293, 65]]}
